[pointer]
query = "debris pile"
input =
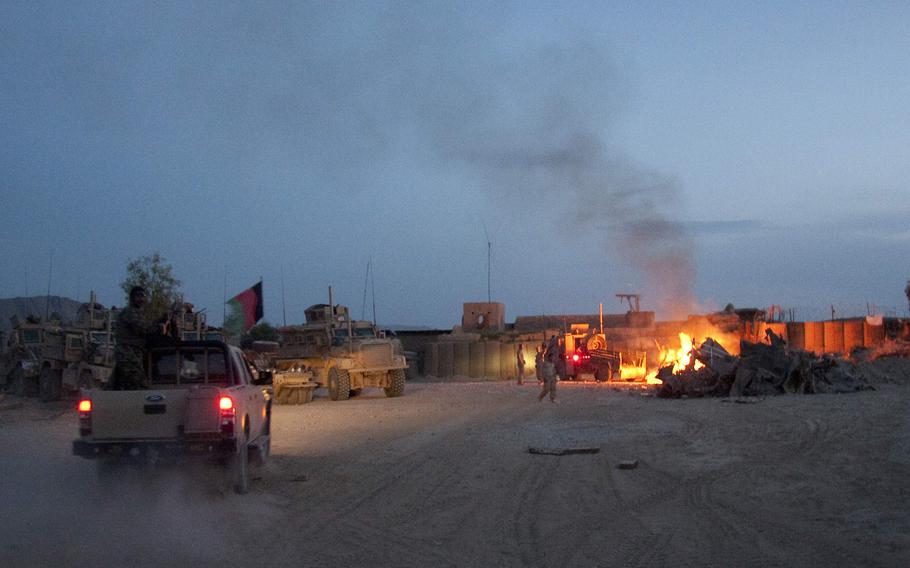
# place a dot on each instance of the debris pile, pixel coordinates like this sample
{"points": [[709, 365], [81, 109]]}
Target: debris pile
{"points": [[760, 369]]}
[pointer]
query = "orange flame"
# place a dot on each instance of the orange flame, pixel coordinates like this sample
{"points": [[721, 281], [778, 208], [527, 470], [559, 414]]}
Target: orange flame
{"points": [[680, 359]]}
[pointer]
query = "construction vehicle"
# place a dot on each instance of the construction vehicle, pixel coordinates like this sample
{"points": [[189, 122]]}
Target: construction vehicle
{"points": [[338, 353], [586, 354]]}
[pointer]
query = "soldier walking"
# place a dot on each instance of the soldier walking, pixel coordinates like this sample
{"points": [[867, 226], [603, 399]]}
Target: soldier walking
{"points": [[548, 371], [132, 334], [520, 360]]}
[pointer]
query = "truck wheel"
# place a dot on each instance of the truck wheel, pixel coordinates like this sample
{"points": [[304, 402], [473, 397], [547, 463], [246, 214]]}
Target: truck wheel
{"points": [[239, 467], [50, 385], [339, 384], [86, 380], [396, 386], [16, 383]]}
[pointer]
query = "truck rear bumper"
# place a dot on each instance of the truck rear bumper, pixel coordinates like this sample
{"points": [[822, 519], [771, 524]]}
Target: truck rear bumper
{"points": [[143, 448]]}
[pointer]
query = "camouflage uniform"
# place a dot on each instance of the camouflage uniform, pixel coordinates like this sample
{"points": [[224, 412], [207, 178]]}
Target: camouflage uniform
{"points": [[548, 371], [520, 355], [129, 354]]}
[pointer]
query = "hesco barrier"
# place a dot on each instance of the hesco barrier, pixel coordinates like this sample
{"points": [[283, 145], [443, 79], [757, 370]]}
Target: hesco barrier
{"points": [[476, 359], [840, 336]]}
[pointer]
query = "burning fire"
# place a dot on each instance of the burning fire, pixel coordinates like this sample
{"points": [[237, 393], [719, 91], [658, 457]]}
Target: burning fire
{"points": [[680, 359]]}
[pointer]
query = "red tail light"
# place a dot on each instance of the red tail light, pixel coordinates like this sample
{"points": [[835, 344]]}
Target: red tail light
{"points": [[226, 409], [85, 417], [575, 357]]}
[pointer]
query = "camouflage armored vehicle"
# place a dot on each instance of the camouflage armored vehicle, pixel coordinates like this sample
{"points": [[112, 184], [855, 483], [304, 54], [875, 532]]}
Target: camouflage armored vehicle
{"points": [[340, 354], [78, 356], [47, 358]]}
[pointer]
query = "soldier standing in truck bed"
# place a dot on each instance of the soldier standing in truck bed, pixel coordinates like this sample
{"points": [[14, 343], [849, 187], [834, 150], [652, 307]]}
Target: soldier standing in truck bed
{"points": [[132, 335]]}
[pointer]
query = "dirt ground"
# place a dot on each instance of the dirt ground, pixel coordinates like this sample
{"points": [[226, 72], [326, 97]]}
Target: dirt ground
{"points": [[442, 477]]}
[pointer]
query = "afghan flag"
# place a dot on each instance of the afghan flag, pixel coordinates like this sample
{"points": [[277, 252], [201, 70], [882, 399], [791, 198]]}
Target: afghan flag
{"points": [[246, 310]]}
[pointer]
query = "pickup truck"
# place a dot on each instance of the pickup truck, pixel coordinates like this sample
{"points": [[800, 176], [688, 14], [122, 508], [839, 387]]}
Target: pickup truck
{"points": [[202, 400]]}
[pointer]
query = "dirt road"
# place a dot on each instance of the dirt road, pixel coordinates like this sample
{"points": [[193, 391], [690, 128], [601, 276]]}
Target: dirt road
{"points": [[443, 477]]}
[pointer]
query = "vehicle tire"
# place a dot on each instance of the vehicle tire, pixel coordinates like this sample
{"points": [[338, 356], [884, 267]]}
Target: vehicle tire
{"points": [[339, 384], [239, 467], [86, 379], [262, 452], [396, 386], [16, 384], [50, 385]]}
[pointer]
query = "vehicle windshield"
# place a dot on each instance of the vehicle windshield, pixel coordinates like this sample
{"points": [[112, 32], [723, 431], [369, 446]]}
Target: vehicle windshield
{"points": [[101, 337], [191, 366], [31, 336]]}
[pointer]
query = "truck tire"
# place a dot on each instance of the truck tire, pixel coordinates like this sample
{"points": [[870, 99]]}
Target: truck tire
{"points": [[16, 384], [396, 383], [339, 384], [239, 467], [50, 385], [86, 379]]}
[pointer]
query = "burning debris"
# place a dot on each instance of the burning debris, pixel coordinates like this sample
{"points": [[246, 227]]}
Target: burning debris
{"points": [[760, 369]]}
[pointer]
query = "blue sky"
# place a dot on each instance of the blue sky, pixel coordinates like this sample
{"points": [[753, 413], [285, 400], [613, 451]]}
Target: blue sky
{"points": [[698, 153]]}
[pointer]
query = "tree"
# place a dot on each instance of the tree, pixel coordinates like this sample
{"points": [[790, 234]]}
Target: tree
{"points": [[260, 332], [155, 275]]}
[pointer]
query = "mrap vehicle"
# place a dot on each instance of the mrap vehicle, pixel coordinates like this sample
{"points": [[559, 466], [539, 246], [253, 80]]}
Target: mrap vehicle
{"points": [[202, 401]]}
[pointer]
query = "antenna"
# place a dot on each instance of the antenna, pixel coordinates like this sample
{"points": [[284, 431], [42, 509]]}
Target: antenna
{"points": [[284, 313], [27, 303], [366, 281], [373, 285], [489, 262], [47, 298]]}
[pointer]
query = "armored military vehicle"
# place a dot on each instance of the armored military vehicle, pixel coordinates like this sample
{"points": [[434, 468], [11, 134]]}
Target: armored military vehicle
{"points": [[340, 354]]}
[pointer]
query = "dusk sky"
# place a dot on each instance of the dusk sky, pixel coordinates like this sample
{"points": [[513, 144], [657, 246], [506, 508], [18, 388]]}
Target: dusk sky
{"points": [[698, 153]]}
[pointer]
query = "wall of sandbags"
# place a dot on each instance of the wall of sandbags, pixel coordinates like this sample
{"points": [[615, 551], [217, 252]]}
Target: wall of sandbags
{"points": [[476, 359]]}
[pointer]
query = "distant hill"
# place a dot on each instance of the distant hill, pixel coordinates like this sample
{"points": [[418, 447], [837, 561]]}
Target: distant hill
{"points": [[35, 305]]}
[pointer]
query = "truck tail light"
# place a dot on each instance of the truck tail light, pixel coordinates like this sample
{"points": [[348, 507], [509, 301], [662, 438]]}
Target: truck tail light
{"points": [[575, 357], [85, 417], [227, 413]]}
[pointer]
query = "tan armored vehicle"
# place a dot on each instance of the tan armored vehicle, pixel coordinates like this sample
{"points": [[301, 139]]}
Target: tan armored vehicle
{"points": [[77, 356], [340, 354]]}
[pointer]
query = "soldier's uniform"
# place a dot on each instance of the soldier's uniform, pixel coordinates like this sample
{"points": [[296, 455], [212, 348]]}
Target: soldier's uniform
{"points": [[520, 355], [129, 354], [548, 371]]}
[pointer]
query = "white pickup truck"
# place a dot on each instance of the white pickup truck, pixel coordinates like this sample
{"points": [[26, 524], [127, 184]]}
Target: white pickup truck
{"points": [[202, 400]]}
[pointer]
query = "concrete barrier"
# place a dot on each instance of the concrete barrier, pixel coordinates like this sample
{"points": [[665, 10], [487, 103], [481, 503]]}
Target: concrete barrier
{"points": [[815, 337], [491, 350], [853, 334], [507, 368], [834, 336], [797, 332], [431, 360], [446, 350], [462, 358], [476, 366]]}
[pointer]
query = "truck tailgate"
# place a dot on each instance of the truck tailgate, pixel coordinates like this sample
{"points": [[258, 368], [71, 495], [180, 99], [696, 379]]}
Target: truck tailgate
{"points": [[140, 414]]}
